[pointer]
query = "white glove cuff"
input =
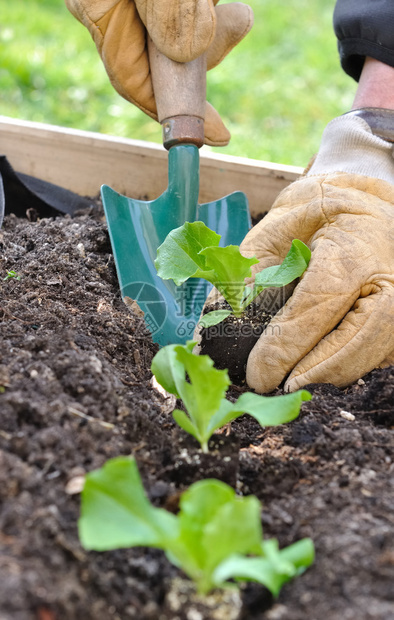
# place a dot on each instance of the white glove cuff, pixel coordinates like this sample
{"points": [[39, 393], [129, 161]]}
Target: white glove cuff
{"points": [[348, 145]]}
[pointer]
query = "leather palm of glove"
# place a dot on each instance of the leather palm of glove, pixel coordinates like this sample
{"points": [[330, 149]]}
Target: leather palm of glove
{"points": [[181, 29], [338, 323]]}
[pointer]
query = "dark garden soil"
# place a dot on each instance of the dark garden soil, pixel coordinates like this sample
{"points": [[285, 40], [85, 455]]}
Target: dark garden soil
{"points": [[75, 390], [229, 342]]}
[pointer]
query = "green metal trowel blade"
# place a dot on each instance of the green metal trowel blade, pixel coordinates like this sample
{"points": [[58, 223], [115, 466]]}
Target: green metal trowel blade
{"points": [[137, 228]]}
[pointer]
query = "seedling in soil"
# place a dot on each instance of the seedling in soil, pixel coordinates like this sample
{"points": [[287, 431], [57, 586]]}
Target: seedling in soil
{"points": [[215, 537], [202, 389], [12, 274], [230, 331], [192, 251]]}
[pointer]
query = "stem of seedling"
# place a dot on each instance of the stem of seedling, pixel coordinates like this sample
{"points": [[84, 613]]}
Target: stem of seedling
{"points": [[250, 295], [204, 447]]}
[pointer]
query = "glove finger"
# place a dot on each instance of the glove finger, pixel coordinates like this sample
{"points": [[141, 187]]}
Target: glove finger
{"points": [[271, 238], [316, 307], [359, 344], [388, 361], [216, 133], [180, 29], [128, 66], [90, 11], [120, 38], [234, 21]]}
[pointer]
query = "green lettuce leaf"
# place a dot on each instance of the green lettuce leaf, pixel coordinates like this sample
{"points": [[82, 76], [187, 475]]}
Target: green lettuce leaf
{"points": [[230, 269], [179, 256], [213, 318], [275, 567], [203, 392], [271, 410], [293, 266], [115, 512], [267, 410], [192, 251], [183, 420], [168, 370], [211, 520]]}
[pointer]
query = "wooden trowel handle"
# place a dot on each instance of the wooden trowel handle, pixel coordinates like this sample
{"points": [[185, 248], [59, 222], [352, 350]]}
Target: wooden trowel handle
{"points": [[180, 93]]}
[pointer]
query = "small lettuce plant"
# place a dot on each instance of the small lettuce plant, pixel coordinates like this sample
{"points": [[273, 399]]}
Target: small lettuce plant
{"points": [[202, 389], [215, 537], [12, 275], [193, 251]]}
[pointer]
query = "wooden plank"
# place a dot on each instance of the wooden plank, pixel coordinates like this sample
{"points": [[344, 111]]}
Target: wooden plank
{"points": [[82, 161]]}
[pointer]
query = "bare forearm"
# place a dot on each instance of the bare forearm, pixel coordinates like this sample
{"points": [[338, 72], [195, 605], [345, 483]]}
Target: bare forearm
{"points": [[376, 86]]}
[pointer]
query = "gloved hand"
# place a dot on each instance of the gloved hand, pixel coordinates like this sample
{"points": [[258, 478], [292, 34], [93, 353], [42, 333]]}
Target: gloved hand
{"points": [[180, 29], [338, 323]]}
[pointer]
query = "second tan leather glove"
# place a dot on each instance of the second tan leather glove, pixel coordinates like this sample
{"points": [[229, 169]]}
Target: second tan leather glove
{"points": [[180, 29], [338, 323]]}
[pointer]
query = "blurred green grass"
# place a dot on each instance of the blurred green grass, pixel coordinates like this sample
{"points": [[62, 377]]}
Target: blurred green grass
{"points": [[276, 91]]}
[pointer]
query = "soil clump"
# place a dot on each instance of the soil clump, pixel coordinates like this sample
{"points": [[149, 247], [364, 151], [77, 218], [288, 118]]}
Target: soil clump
{"points": [[229, 342]]}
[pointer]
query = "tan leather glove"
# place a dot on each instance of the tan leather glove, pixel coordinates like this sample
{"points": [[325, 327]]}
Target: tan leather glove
{"points": [[338, 323], [180, 29]]}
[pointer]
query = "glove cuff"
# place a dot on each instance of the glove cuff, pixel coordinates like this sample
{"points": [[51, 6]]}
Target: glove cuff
{"points": [[349, 145], [380, 120]]}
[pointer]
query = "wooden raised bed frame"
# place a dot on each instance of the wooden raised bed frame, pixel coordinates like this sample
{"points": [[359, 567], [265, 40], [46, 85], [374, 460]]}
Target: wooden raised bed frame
{"points": [[82, 161]]}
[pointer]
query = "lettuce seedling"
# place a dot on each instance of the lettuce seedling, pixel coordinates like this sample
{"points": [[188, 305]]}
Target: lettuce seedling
{"points": [[12, 275], [202, 389], [216, 536], [192, 251]]}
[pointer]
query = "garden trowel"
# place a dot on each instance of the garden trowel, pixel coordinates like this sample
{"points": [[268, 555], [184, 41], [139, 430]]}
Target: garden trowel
{"points": [[137, 228]]}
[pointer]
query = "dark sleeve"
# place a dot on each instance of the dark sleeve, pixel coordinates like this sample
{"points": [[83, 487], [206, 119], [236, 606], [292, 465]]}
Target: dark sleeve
{"points": [[364, 28]]}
